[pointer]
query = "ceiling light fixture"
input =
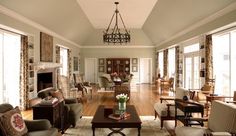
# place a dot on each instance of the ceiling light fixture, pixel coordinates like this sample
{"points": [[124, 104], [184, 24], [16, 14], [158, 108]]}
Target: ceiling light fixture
{"points": [[115, 35]]}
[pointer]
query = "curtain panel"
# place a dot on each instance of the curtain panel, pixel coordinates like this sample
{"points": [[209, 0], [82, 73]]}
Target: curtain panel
{"points": [[57, 61], [157, 64], [69, 65], [177, 67], [24, 89], [209, 58], [165, 60]]}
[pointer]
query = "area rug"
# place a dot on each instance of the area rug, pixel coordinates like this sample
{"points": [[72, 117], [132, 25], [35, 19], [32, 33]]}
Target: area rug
{"points": [[150, 127]]}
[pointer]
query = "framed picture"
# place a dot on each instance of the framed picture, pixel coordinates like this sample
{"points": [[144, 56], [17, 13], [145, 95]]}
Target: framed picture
{"points": [[134, 60], [101, 68], [76, 64], [46, 47], [101, 61], [134, 69]]}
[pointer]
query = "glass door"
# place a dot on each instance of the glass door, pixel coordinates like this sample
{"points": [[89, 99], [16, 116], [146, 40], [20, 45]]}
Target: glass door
{"points": [[191, 65]]}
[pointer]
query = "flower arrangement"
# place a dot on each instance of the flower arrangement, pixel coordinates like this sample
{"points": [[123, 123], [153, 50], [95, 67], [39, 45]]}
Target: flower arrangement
{"points": [[122, 98]]}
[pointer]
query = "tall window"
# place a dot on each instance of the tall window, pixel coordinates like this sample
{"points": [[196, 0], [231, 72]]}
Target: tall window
{"points": [[161, 63], [9, 68], [64, 61], [191, 66], [224, 62], [171, 62]]}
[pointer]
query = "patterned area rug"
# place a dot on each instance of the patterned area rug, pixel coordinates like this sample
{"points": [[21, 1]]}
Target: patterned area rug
{"points": [[150, 127]]}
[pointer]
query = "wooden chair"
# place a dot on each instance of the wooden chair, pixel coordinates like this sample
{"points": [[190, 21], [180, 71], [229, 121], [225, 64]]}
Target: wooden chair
{"points": [[82, 85]]}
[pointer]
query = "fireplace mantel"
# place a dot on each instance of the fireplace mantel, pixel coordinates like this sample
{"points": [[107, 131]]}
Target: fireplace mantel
{"points": [[47, 65]]}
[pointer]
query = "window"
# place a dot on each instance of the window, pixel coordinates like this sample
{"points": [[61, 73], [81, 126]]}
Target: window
{"points": [[171, 62], [64, 61], [191, 48], [224, 62], [161, 63], [9, 68]]}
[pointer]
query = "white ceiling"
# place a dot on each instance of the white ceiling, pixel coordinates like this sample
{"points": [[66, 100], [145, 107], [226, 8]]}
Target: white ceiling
{"points": [[133, 12], [76, 19]]}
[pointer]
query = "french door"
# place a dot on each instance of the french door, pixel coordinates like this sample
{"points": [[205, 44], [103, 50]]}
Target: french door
{"points": [[191, 72]]}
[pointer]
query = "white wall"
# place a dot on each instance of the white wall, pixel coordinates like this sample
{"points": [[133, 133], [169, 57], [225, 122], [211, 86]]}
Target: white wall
{"points": [[29, 30], [118, 53]]}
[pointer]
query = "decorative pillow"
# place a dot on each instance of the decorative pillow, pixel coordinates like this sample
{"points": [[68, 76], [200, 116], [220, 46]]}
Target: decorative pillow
{"points": [[12, 123], [58, 94]]}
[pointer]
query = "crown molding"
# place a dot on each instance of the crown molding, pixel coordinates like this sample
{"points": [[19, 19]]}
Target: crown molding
{"points": [[206, 20], [25, 20], [116, 46]]}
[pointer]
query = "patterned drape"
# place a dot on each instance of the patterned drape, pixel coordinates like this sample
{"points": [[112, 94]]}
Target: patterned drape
{"points": [[177, 67], [24, 89], [209, 58], [57, 61], [165, 60], [157, 64], [69, 64]]}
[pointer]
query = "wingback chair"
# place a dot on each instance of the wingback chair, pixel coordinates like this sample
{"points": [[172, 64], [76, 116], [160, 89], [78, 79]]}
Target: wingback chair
{"points": [[221, 122], [40, 127], [104, 82], [69, 90]]}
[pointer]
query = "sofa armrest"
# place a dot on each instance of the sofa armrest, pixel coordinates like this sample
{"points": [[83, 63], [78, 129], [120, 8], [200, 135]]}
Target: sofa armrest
{"points": [[36, 125]]}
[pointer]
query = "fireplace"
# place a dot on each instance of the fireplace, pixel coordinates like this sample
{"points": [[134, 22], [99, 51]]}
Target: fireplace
{"points": [[44, 80]]}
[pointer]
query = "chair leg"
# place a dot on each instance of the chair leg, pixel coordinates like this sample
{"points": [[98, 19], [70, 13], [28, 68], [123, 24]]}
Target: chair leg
{"points": [[162, 123], [155, 114]]}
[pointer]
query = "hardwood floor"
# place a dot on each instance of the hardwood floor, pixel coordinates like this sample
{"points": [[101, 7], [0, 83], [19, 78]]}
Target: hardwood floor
{"points": [[142, 97]]}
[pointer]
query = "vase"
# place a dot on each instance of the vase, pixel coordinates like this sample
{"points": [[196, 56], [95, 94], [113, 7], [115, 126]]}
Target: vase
{"points": [[122, 106]]}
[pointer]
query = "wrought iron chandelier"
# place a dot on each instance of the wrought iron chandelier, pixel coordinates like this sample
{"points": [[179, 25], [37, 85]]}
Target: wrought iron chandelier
{"points": [[115, 35]]}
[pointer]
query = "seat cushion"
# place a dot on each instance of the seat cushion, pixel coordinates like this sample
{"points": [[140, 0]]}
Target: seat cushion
{"points": [[76, 108], [49, 132], [161, 109], [193, 131]]}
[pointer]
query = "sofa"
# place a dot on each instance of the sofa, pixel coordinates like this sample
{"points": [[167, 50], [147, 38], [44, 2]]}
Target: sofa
{"points": [[221, 122], [40, 127]]}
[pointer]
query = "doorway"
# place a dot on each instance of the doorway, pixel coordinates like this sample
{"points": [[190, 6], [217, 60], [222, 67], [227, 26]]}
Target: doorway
{"points": [[145, 70], [91, 70]]}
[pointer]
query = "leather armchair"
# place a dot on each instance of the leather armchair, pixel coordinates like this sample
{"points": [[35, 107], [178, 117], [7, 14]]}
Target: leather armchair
{"points": [[40, 127]]}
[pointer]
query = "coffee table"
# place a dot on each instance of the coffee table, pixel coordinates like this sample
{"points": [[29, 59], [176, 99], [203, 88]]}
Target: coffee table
{"points": [[100, 121]]}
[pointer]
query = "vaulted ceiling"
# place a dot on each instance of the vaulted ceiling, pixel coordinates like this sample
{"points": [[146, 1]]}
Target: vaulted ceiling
{"points": [[76, 20]]}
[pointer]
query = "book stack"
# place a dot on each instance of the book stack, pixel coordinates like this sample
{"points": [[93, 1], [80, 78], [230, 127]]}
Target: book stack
{"points": [[118, 115], [50, 101]]}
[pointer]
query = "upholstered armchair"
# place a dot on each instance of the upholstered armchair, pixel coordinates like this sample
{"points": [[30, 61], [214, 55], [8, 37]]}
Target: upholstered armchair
{"points": [[165, 108], [105, 83], [68, 89], [82, 85], [221, 122], [73, 107], [40, 127]]}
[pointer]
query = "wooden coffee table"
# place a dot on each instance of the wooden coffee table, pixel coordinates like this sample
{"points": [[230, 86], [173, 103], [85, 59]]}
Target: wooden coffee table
{"points": [[100, 121]]}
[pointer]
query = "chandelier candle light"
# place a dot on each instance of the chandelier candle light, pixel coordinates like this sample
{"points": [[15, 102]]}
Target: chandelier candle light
{"points": [[115, 35], [122, 98]]}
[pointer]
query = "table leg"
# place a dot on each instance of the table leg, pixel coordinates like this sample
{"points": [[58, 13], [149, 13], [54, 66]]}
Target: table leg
{"points": [[93, 131], [139, 131]]}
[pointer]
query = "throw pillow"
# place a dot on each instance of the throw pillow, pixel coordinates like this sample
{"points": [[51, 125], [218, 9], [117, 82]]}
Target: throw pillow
{"points": [[57, 94], [12, 123]]}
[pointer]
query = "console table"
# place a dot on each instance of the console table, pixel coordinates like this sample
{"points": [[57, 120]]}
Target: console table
{"points": [[188, 107]]}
